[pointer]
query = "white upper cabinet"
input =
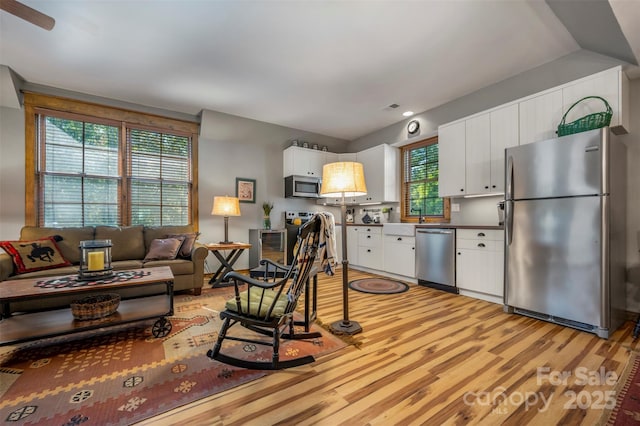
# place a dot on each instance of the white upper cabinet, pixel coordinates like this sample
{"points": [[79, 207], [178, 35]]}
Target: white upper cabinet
{"points": [[478, 154], [381, 173], [472, 149], [539, 117], [610, 85], [451, 159], [303, 161], [472, 152], [504, 134]]}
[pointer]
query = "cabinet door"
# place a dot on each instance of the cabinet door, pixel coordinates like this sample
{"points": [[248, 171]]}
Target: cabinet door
{"points": [[352, 245], [400, 255], [540, 116], [504, 134], [474, 270], [478, 154], [372, 160], [451, 159], [303, 161], [605, 85]]}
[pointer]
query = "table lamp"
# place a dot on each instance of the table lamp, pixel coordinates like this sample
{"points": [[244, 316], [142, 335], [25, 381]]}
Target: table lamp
{"points": [[226, 206], [344, 179]]}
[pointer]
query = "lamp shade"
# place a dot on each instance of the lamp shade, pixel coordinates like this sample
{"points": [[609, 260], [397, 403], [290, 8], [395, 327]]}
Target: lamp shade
{"points": [[343, 178], [226, 206]]}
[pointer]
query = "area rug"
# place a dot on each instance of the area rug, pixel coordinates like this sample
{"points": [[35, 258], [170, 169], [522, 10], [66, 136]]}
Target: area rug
{"points": [[378, 286], [627, 409], [125, 376]]}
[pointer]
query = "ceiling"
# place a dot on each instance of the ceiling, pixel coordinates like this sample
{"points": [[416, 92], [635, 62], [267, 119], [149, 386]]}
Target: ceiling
{"points": [[329, 67]]}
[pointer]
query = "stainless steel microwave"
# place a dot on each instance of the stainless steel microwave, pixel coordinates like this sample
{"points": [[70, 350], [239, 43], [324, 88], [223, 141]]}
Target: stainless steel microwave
{"points": [[302, 186]]}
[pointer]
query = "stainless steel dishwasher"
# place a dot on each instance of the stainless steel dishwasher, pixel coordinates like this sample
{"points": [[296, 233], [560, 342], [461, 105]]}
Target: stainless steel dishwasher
{"points": [[436, 258]]}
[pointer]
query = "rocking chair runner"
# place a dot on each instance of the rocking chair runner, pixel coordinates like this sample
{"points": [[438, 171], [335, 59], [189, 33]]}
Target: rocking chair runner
{"points": [[267, 307]]}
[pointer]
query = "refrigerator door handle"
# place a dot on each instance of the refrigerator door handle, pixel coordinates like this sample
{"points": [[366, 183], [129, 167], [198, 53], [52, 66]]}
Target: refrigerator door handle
{"points": [[508, 194], [508, 222]]}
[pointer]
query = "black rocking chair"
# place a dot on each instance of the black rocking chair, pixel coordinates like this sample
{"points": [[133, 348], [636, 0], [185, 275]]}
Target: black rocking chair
{"points": [[267, 306]]}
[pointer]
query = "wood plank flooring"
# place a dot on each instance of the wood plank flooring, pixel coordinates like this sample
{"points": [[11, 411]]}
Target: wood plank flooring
{"points": [[428, 358]]}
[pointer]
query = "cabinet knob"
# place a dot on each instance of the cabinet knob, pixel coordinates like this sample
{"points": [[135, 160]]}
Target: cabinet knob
{"points": [[461, 189], [481, 234], [368, 250], [368, 236], [486, 187], [459, 253], [493, 186], [399, 238], [481, 245]]}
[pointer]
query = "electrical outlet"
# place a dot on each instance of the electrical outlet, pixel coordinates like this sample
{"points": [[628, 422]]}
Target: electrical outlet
{"points": [[455, 207]]}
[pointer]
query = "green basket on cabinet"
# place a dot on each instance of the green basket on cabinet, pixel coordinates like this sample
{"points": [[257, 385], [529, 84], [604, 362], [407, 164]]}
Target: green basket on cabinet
{"points": [[588, 122]]}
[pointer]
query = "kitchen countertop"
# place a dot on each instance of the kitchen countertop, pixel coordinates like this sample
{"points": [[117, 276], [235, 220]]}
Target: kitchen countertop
{"points": [[438, 225]]}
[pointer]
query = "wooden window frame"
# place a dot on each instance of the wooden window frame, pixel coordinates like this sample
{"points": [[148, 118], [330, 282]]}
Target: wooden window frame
{"points": [[35, 104], [407, 216]]}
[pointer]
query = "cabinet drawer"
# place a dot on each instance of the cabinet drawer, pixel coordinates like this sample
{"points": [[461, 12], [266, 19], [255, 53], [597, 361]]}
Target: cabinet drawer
{"points": [[482, 234], [370, 257], [397, 239], [369, 240], [371, 230], [477, 244]]}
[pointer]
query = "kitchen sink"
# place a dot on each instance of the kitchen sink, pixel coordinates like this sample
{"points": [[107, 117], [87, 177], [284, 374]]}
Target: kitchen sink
{"points": [[402, 229]]}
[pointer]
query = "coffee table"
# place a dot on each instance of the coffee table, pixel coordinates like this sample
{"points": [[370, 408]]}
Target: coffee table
{"points": [[38, 325]]}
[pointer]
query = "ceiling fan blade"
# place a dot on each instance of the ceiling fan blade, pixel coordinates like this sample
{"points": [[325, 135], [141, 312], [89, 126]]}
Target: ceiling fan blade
{"points": [[28, 14]]}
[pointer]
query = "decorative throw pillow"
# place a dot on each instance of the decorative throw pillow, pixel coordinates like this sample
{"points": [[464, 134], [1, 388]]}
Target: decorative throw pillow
{"points": [[35, 255], [164, 249], [187, 244]]}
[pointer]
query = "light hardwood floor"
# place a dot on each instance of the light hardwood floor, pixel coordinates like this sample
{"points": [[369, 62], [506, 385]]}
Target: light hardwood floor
{"points": [[428, 358]]}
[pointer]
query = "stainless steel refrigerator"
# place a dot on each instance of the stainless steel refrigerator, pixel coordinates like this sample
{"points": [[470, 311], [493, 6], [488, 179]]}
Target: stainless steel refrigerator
{"points": [[565, 210]]}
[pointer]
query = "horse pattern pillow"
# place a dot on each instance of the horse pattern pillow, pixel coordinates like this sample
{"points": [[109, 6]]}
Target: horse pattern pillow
{"points": [[36, 255]]}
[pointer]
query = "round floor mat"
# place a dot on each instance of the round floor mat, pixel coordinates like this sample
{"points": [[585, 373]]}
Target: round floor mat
{"points": [[378, 286]]}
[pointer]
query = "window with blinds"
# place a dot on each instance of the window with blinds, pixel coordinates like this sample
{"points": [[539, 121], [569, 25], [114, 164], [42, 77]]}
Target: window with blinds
{"points": [[79, 177], [160, 177], [420, 182], [89, 174]]}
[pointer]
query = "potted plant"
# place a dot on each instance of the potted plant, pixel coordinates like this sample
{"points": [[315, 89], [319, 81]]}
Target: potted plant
{"points": [[266, 217]]}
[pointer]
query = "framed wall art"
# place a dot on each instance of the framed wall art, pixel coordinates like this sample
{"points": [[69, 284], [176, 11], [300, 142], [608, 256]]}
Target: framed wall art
{"points": [[246, 190]]}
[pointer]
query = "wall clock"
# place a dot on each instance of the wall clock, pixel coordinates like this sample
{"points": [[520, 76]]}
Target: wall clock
{"points": [[413, 126]]}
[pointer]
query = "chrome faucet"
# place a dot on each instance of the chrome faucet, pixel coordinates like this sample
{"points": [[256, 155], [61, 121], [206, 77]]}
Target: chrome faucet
{"points": [[420, 218]]}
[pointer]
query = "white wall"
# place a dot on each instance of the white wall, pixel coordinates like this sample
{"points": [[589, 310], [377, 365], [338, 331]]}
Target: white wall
{"points": [[12, 189], [231, 147]]}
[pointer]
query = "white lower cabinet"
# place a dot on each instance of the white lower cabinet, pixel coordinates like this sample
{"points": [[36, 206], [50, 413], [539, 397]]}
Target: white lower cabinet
{"points": [[370, 247], [479, 263], [400, 255]]}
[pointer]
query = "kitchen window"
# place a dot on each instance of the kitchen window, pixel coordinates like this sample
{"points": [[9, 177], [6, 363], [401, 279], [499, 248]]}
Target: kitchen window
{"points": [[420, 183], [97, 165]]}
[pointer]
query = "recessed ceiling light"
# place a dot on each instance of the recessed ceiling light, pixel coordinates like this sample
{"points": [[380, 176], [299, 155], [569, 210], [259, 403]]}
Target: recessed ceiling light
{"points": [[407, 113]]}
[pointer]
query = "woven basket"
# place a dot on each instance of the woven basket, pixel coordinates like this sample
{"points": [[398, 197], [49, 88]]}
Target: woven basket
{"points": [[588, 122], [94, 307]]}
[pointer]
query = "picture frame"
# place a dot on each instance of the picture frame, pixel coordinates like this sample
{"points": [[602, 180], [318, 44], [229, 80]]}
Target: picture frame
{"points": [[246, 190]]}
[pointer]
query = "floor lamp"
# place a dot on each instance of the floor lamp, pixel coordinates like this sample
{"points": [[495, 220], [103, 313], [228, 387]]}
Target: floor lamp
{"points": [[226, 206], [344, 179]]}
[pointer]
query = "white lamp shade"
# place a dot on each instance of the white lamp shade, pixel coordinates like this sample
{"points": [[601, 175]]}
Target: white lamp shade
{"points": [[343, 178], [226, 206]]}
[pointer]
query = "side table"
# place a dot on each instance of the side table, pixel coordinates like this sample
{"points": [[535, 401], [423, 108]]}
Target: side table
{"points": [[226, 263]]}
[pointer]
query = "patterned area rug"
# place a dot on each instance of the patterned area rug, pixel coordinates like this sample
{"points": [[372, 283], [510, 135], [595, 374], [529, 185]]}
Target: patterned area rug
{"points": [[378, 286], [627, 410], [127, 375]]}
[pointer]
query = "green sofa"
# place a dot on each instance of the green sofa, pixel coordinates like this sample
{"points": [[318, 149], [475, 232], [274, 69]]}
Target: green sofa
{"points": [[130, 244]]}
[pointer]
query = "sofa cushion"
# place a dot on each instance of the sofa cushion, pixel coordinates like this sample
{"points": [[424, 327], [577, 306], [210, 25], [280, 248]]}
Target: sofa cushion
{"points": [[164, 249], [71, 237], [187, 244], [34, 255], [127, 241], [178, 266], [154, 232]]}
